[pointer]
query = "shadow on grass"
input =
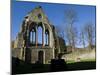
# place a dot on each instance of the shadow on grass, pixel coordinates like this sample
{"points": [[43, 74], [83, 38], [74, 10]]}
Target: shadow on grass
{"points": [[21, 67], [81, 66]]}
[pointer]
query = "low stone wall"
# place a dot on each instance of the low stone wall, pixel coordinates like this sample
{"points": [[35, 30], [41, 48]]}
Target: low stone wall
{"points": [[16, 52], [32, 54], [47, 55]]}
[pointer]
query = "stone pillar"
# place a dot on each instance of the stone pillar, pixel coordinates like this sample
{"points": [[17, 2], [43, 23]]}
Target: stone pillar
{"points": [[27, 37], [36, 37], [48, 39], [43, 38]]}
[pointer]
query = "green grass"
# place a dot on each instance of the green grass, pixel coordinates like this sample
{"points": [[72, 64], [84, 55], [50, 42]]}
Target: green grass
{"points": [[82, 55], [28, 68], [87, 65], [82, 60]]}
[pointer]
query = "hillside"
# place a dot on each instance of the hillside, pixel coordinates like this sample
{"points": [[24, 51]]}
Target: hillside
{"points": [[80, 56]]}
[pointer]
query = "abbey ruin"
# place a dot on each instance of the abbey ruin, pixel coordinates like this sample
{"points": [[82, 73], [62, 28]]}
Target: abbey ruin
{"points": [[27, 46]]}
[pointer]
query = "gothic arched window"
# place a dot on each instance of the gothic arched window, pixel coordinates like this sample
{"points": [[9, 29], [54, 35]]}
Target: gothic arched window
{"points": [[46, 38], [32, 36], [40, 29]]}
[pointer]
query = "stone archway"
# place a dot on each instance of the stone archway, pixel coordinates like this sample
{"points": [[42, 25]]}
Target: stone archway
{"points": [[41, 56]]}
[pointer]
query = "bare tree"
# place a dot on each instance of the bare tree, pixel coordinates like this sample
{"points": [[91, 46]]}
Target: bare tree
{"points": [[82, 37], [90, 33], [60, 31], [60, 37], [71, 31]]}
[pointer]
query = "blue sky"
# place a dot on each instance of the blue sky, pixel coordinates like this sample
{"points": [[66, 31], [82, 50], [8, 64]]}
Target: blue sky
{"points": [[55, 13]]}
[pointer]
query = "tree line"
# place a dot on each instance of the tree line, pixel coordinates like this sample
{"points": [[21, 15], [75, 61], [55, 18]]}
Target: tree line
{"points": [[69, 32]]}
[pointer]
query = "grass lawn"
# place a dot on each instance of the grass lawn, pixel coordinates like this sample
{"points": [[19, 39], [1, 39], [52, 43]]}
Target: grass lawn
{"points": [[82, 60], [85, 65], [35, 68]]}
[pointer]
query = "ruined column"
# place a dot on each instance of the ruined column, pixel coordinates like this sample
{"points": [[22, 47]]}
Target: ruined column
{"points": [[43, 33], [48, 39], [36, 37], [43, 38]]}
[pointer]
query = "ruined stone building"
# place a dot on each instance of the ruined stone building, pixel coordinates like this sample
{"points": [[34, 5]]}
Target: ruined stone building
{"points": [[26, 45]]}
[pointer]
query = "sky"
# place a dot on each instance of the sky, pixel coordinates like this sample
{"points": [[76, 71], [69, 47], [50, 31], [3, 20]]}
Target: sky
{"points": [[54, 12]]}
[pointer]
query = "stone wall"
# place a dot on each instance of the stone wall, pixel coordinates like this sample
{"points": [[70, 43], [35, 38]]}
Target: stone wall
{"points": [[47, 54], [22, 48], [16, 52], [31, 54]]}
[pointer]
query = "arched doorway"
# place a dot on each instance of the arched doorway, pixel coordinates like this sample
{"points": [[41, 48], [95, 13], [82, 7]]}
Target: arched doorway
{"points": [[40, 56]]}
